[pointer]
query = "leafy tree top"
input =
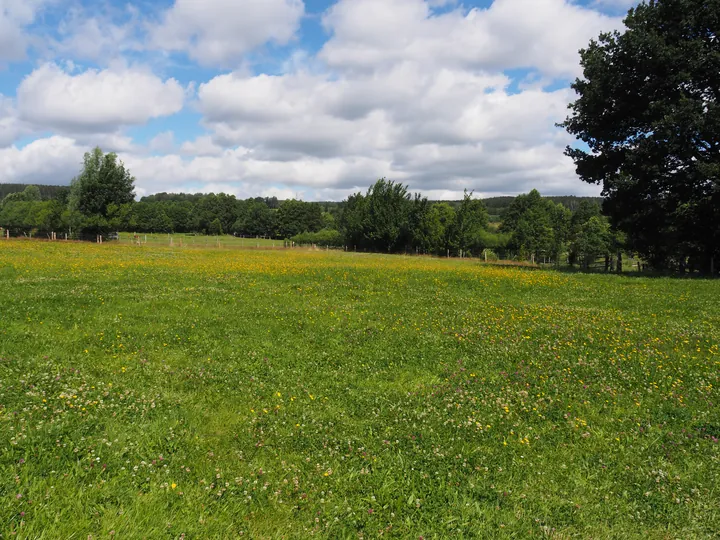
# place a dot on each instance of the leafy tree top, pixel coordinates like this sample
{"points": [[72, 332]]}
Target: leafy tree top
{"points": [[30, 193], [103, 181]]}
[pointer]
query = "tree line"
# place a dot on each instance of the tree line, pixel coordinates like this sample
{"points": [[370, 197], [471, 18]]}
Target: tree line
{"points": [[101, 199], [387, 218]]}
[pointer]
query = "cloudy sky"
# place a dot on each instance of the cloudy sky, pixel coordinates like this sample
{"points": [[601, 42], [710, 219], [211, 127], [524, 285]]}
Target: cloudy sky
{"points": [[314, 98]]}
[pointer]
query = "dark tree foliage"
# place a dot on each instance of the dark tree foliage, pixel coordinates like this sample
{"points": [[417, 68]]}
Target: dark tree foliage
{"points": [[591, 240], [648, 112], [103, 181], [420, 224], [182, 216], [470, 219], [497, 206], [583, 214], [352, 221], [294, 217], [177, 197], [27, 216], [389, 219], [387, 215], [221, 207], [382, 219], [46, 192], [29, 194], [444, 216], [254, 219], [152, 217], [215, 227], [271, 202], [538, 227]]}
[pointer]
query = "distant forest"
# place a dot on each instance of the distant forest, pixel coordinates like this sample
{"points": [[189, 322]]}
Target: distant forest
{"points": [[496, 206], [46, 192], [387, 218]]}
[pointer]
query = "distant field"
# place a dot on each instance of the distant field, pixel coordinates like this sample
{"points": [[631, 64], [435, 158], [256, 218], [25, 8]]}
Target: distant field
{"points": [[226, 240], [217, 393]]}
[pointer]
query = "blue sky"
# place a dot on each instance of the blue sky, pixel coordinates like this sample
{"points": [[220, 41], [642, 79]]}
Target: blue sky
{"points": [[285, 97]]}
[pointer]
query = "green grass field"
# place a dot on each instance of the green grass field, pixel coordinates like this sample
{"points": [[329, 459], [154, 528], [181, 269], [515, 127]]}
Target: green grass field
{"points": [[149, 392], [202, 241]]}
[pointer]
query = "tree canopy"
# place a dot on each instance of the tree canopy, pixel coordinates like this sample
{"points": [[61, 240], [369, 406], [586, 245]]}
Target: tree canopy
{"points": [[103, 181], [649, 118]]}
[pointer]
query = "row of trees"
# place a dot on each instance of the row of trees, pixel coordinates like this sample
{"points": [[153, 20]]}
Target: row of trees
{"points": [[102, 199], [24, 211], [224, 214], [387, 218], [541, 230]]}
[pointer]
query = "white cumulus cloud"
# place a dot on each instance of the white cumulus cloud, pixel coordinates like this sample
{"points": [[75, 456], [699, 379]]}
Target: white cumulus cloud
{"points": [[15, 15], [98, 37], [96, 101], [220, 32], [448, 127], [11, 127], [54, 160], [426, 92], [540, 34]]}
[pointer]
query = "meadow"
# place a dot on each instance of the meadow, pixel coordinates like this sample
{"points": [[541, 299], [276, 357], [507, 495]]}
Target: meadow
{"points": [[157, 392], [226, 241]]}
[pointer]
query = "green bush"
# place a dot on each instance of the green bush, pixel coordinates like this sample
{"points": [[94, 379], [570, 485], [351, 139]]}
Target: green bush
{"points": [[325, 237]]}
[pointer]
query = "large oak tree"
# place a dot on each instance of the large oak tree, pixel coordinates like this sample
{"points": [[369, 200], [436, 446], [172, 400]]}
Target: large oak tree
{"points": [[649, 116]]}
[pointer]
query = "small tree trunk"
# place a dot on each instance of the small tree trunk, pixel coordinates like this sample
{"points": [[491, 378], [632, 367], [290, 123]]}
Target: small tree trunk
{"points": [[619, 262], [607, 262]]}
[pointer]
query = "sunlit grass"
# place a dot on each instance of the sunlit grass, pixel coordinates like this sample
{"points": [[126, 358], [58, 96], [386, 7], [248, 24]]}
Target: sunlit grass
{"points": [[191, 240], [148, 391]]}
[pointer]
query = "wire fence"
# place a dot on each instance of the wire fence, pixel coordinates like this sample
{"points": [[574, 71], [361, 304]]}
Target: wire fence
{"points": [[152, 239]]}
